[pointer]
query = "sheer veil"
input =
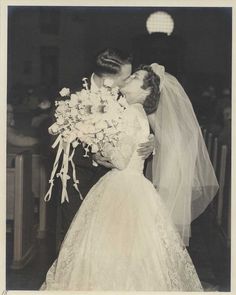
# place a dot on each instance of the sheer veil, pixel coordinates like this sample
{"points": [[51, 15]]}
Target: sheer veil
{"points": [[181, 168]]}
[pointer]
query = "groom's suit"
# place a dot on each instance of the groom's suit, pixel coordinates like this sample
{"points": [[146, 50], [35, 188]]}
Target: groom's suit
{"points": [[86, 173]]}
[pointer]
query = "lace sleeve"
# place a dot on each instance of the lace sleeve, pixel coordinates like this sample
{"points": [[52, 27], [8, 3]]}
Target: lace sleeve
{"points": [[120, 155]]}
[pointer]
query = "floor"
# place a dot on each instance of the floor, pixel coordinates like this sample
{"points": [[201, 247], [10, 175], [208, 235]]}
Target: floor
{"points": [[213, 275]]}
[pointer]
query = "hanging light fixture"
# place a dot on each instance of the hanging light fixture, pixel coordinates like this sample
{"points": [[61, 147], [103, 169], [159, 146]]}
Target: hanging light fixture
{"points": [[160, 22]]}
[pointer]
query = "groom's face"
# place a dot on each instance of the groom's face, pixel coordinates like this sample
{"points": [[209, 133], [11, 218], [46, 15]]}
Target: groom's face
{"points": [[121, 78]]}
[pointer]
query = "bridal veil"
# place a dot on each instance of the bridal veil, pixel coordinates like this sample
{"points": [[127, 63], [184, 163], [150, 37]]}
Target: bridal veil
{"points": [[181, 168]]}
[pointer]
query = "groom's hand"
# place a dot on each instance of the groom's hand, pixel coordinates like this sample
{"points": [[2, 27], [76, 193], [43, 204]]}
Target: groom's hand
{"points": [[104, 161], [146, 148]]}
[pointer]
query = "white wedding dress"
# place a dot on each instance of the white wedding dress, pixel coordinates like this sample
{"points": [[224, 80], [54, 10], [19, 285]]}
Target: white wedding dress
{"points": [[121, 238]]}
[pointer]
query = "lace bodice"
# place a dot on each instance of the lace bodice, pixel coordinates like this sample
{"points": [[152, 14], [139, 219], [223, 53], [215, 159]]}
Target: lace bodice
{"points": [[124, 156]]}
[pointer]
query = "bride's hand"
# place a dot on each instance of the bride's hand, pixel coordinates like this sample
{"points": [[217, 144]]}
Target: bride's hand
{"points": [[146, 148], [104, 161]]}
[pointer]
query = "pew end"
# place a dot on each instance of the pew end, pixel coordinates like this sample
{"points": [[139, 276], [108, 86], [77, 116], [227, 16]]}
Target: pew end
{"points": [[20, 209]]}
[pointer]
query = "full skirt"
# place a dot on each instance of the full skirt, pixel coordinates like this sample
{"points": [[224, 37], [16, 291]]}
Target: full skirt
{"points": [[122, 239]]}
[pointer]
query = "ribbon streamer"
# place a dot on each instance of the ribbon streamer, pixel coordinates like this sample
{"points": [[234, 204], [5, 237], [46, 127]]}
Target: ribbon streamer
{"points": [[74, 174], [63, 174], [55, 165]]}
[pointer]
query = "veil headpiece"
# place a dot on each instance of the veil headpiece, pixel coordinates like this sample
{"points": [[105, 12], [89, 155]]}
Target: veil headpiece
{"points": [[181, 168]]}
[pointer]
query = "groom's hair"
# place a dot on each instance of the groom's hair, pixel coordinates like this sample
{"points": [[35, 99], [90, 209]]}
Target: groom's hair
{"points": [[110, 60]]}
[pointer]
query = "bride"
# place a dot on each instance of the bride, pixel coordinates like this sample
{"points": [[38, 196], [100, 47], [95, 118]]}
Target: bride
{"points": [[123, 238]]}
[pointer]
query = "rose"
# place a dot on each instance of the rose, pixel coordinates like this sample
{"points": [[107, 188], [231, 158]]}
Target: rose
{"points": [[65, 91]]}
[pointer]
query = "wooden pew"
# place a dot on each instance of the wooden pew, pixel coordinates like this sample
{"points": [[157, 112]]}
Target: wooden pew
{"points": [[219, 155], [209, 143], [221, 178], [39, 186], [20, 209]]}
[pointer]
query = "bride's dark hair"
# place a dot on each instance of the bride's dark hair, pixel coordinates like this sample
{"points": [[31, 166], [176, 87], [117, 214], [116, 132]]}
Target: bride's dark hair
{"points": [[152, 82]]}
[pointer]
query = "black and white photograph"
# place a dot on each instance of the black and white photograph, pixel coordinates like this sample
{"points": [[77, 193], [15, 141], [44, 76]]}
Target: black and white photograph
{"points": [[117, 146]]}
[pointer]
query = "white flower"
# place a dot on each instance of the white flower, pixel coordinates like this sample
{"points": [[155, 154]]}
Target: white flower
{"points": [[65, 92], [108, 82], [82, 111], [90, 129], [74, 112], [53, 129], [95, 98], [105, 109], [73, 100], [75, 143], [60, 120], [100, 136], [79, 125], [61, 108], [92, 118], [92, 109], [101, 125]]}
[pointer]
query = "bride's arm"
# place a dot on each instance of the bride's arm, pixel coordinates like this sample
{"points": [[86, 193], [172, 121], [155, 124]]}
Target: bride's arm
{"points": [[120, 155]]}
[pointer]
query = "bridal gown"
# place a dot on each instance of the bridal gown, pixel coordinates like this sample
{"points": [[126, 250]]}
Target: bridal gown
{"points": [[122, 238]]}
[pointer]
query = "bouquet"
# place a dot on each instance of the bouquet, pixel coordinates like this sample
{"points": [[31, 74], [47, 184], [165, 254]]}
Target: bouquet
{"points": [[89, 118]]}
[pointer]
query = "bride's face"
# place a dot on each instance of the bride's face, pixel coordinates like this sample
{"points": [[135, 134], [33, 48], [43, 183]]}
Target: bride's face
{"points": [[133, 88]]}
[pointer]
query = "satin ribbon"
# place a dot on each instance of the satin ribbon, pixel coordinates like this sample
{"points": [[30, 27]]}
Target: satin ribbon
{"points": [[76, 182], [63, 174], [55, 165]]}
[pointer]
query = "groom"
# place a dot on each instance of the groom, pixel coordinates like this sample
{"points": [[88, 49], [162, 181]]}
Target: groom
{"points": [[116, 66]]}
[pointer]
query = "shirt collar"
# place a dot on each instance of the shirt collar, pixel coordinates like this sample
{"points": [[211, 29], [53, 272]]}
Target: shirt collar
{"points": [[93, 85]]}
